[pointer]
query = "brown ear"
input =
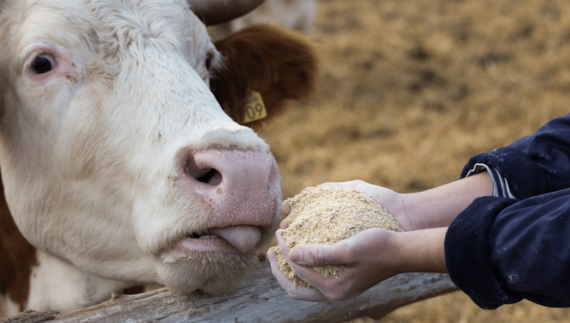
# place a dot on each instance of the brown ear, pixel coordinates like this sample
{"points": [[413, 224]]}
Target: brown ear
{"points": [[279, 65]]}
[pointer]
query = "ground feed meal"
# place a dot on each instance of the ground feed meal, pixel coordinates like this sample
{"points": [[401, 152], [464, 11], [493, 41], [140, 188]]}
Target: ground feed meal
{"points": [[327, 215]]}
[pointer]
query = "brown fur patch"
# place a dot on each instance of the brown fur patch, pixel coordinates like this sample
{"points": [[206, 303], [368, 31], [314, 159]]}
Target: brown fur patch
{"points": [[17, 256], [280, 65]]}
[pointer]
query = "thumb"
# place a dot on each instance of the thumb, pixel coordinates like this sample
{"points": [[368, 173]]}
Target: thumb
{"points": [[318, 255]]}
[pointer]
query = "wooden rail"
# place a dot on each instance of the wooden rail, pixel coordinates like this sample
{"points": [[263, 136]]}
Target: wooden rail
{"points": [[258, 299]]}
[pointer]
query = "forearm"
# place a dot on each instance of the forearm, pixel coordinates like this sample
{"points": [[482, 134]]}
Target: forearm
{"points": [[420, 251], [437, 207]]}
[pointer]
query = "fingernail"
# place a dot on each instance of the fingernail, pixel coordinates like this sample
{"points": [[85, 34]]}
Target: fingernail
{"points": [[285, 208]]}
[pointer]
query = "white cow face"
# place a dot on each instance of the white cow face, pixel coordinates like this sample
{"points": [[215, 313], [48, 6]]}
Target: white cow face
{"points": [[115, 155]]}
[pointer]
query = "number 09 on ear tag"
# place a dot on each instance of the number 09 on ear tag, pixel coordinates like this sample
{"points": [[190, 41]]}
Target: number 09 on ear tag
{"points": [[255, 109]]}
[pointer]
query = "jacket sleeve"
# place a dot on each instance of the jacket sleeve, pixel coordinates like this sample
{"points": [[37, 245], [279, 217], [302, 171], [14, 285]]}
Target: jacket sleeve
{"points": [[535, 164], [501, 250]]}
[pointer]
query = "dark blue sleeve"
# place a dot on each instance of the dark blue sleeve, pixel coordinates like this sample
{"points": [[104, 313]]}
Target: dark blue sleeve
{"points": [[499, 250], [535, 164]]}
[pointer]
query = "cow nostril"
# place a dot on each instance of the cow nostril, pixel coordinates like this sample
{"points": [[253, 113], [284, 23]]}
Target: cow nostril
{"points": [[212, 177], [207, 175]]}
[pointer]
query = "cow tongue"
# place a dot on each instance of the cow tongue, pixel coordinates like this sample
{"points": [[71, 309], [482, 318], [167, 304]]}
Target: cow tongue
{"points": [[242, 237]]}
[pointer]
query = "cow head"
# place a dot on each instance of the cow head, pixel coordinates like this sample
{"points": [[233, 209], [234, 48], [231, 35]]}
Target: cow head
{"points": [[115, 154]]}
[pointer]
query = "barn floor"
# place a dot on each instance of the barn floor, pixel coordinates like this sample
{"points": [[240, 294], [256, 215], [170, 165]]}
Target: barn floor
{"points": [[411, 89]]}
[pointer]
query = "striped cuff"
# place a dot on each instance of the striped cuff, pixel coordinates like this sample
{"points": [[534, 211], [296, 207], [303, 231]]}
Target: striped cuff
{"points": [[500, 183]]}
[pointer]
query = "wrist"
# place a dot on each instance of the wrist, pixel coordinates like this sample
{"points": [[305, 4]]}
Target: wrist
{"points": [[438, 207], [402, 207], [420, 250]]}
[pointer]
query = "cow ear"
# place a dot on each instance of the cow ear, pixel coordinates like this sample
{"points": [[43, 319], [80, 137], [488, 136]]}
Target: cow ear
{"points": [[278, 64]]}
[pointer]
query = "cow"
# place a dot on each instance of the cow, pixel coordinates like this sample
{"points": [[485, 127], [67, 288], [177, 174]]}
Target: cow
{"points": [[296, 15], [128, 154]]}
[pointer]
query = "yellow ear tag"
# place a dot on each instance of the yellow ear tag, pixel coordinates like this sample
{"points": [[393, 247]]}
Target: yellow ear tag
{"points": [[255, 109]]}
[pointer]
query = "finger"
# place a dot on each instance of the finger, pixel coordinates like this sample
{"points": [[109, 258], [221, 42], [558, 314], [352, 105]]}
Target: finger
{"points": [[319, 255], [308, 294], [299, 293], [340, 184], [307, 274], [277, 273], [273, 261], [282, 225], [285, 208], [281, 242], [332, 288]]}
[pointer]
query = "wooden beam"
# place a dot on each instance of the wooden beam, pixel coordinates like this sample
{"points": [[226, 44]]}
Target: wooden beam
{"points": [[258, 299]]}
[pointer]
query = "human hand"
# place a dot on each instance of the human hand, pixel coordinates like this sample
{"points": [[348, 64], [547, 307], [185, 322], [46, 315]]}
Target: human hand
{"points": [[364, 259], [434, 208], [394, 203], [358, 270]]}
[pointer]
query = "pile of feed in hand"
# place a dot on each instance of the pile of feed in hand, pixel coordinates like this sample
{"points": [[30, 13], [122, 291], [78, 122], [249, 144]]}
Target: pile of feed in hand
{"points": [[325, 216]]}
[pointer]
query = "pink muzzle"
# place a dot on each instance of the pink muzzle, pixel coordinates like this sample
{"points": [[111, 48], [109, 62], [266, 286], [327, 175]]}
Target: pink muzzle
{"points": [[241, 191]]}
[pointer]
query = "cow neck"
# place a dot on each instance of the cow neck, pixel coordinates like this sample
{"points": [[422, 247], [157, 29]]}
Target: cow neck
{"points": [[17, 256]]}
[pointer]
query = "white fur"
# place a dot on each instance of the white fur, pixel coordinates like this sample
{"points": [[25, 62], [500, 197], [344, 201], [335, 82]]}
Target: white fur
{"points": [[8, 307], [89, 153], [55, 283], [292, 14]]}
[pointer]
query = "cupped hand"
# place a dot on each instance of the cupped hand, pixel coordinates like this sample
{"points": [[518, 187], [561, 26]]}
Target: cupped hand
{"points": [[395, 203], [299, 293], [364, 259]]}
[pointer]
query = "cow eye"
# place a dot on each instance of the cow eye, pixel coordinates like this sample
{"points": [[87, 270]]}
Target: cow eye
{"points": [[208, 61], [43, 63]]}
